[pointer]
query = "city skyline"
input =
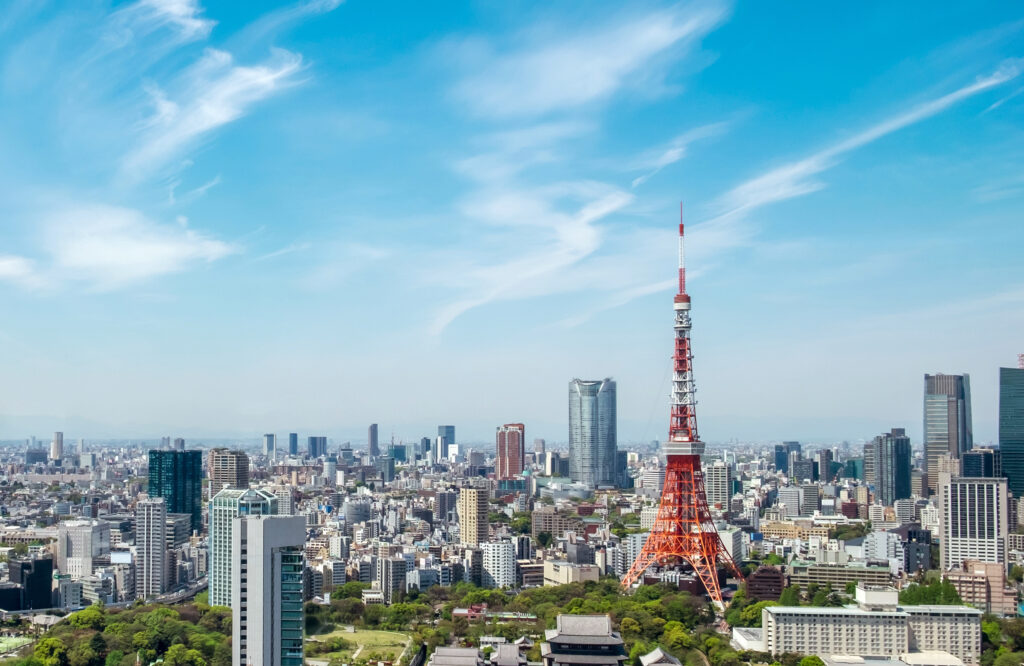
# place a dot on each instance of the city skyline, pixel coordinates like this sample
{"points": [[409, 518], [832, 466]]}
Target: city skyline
{"points": [[235, 165]]}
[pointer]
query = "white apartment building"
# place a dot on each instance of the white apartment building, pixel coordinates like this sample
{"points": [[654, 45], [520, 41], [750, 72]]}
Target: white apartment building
{"points": [[150, 547], [975, 521], [78, 542], [499, 569]]}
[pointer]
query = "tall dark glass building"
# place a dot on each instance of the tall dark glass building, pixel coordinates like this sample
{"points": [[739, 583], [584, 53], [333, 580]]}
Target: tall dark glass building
{"points": [[35, 576], [982, 463], [947, 420], [1011, 427], [892, 464], [593, 432], [293, 443], [781, 458], [177, 476], [447, 435], [372, 442]]}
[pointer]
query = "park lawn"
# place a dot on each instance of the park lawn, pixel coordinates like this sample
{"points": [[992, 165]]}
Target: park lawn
{"points": [[7, 644], [390, 644]]}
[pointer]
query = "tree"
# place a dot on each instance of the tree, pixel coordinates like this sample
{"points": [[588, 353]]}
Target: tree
{"points": [[51, 652], [89, 618], [812, 660], [630, 628], [179, 655], [790, 596], [544, 539], [1016, 574]]}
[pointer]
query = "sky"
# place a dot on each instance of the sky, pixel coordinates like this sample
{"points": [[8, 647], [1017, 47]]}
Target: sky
{"points": [[222, 218]]}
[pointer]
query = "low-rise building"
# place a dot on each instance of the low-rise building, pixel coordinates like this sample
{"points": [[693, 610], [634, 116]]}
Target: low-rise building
{"points": [[583, 639], [560, 572]]}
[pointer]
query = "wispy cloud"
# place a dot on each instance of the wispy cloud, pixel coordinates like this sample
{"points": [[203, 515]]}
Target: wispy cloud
{"points": [[212, 93], [288, 249], [562, 70], [182, 16], [20, 271], [655, 161], [798, 178], [111, 248]]}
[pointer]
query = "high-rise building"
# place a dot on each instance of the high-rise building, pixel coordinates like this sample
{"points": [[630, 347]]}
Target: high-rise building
{"points": [[150, 547], [791, 448], [983, 463], [472, 509], [539, 448], [781, 459], [1011, 427], [227, 469], [444, 505], [270, 445], [824, 459], [592, 432], [947, 419], [974, 520], [372, 441], [177, 476], [391, 577], [499, 569], [889, 459], [316, 446], [386, 467], [57, 447], [511, 447], [225, 506], [447, 435], [35, 576], [800, 468], [293, 443], [266, 603], [718, 484], [79, 542]]}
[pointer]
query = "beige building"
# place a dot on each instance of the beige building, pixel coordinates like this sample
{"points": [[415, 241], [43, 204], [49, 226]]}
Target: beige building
{"points": [[227, 469], [793, 530], [983, 585], [560, 572], [546, 519], [472, 509], [805, 574]]}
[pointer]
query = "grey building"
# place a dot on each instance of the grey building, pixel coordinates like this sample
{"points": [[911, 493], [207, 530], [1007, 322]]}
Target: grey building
{"points": [[592, 432], [446, 433], [947, 420], [372, 442], [1011, 427], [889, 459]]}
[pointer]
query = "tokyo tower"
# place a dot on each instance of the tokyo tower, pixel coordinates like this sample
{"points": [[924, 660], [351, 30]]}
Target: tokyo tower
{"points": [[683, 530]]}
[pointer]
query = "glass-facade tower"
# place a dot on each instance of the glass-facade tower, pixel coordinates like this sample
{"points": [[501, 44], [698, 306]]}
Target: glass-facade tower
{"points": [[177, 476], [947, 420], [225, 506], [1011, 427], [592, 432]]}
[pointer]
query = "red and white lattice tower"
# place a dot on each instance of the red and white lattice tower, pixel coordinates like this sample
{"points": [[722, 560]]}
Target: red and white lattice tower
{"points": [[683, 530]]}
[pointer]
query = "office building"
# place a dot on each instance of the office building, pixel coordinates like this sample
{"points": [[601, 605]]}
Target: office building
{"points": [[444, 506], [499, 567], [947, 420], [293, 443], [511, 450], [539, 448], [227, 469], [718, 484], [592, 432], [974, 521], [982, 463], [824, 459], [57, 447], [446, 434], [267, 575], [890, 461], [781, 459], [35, 577], [225, 506], [270, 445], [79, 542], [151, 546], [372, 441], [177, 476], [800, 469], [472, 509], [316, 447], [1011, 427], [386, 466]]}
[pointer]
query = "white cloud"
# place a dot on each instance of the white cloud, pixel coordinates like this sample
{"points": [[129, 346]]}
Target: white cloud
{"points": [[797, 178], [212, 93], [563, 71], [110, 247], [182, 16], [655, 161], [20, 271]]}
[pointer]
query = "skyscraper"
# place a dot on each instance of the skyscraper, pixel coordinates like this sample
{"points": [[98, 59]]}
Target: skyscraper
{"points": [[592, 432], [57, 447], [717, 482], [317, 446], [947, 419], [1011, 427], [372, 444], [266, 602], [35, 575], [447, 433], [270, 445], [150, 546], [539, 446], [79, 542], [499, 564], [511, 447], [983, 463], [472, 509], [225, 506], [974, 520], [781, 459], [177, 476], [293, 443], [890, 459], [227, 469]]}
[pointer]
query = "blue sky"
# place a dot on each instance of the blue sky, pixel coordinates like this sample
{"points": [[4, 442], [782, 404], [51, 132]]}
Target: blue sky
{"points": [[228, 218]]}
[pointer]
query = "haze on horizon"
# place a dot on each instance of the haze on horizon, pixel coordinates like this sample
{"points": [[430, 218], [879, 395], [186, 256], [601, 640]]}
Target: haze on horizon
{"points": [[223, 219]]}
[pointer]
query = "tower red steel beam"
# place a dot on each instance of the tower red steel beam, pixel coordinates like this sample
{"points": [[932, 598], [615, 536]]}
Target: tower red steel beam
{"points": [[683, 530]]}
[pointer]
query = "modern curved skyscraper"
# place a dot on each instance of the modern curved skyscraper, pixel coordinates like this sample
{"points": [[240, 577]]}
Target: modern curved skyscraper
{"points": [[592, 432]]}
